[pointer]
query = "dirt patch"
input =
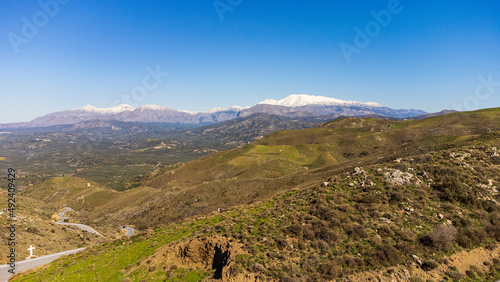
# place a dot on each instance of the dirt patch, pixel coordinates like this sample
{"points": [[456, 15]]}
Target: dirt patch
{"points": [[462, 261], [217, 253]]}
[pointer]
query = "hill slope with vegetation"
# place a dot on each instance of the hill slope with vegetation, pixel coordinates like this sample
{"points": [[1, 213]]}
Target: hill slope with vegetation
{"points": [[396, 200]]}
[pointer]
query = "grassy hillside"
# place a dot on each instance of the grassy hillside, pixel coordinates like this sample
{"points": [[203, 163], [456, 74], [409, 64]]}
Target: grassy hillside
{"points": [[378, 197], [114, 153], [274, 164], [36, 226], [409, 216]]}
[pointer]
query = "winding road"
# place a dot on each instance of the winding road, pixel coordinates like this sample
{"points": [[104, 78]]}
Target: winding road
{"points": [[31, 263], [28, 264], [81, 226], [130, 231]]}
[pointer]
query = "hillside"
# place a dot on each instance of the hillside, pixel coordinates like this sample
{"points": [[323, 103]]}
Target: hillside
{"points": [[36, 226], [114, 153], [400, 219], [390, 198], [282, 161]]}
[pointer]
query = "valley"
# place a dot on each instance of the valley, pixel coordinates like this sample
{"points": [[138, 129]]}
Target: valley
{"points": [[303, 200], [250, 141], [115, 154]]}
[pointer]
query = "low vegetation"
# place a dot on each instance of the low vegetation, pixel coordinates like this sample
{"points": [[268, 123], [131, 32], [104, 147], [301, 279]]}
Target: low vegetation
{"points": [[404, 201]]}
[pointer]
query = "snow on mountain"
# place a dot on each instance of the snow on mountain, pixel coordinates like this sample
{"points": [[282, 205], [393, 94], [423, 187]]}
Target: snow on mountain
{"points": [[298, 100], [232, 108], [113, 110], [154, 108], [214, 110], [237, 108], [189, 112], [297, 105]]}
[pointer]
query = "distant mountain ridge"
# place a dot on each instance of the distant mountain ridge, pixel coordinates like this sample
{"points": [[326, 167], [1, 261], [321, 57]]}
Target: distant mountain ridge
{"points": [[298, 100], [296, 105]]}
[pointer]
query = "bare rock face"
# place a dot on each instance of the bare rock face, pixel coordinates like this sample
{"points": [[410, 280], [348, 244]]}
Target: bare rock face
{"points": [[213, 252], [398, 177]]}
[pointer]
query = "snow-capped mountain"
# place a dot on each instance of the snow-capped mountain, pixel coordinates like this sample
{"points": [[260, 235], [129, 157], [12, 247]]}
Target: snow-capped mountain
{"points": [[297, 105], [113, 110], [298, 100], [217, 109]]}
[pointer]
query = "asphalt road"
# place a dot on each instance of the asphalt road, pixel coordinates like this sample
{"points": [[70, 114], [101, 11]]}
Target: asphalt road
{"points": [[81, 226], [31, 263], [27, 264], [130, 231]]}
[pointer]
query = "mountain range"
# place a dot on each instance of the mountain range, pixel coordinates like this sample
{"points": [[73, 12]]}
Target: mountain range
{"points": [[296, 105]]}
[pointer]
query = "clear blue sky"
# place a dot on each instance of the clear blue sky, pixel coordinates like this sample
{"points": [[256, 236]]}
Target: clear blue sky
{"points": [[429, 56]]}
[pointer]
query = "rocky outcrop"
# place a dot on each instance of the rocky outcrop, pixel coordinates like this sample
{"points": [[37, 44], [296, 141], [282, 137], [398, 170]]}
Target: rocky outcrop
{"points": [[217, 253], [398, 177]]}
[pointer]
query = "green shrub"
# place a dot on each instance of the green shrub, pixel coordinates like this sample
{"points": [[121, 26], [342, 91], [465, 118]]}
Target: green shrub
{"points": [[429, 265]]}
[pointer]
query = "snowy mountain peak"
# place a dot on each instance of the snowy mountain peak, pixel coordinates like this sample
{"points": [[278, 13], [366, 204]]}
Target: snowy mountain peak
{"points": [[297, 100], [297, 105], [214, 110], [232, 108], [153, 107], [121, 108], [113, 110]]}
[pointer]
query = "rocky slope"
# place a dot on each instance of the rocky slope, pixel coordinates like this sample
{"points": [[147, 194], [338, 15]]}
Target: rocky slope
{"points": [[352, 198]]}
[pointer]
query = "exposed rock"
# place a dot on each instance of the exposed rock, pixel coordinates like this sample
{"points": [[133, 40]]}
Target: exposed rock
{"points": [[423, 174], [215, 252], [467, 166], [460, 156], [417, 259], [257, 267], [385, 220], [397, 177], [358, 171]]}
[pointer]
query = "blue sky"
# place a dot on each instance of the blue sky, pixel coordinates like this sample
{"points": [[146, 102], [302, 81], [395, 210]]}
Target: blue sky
{"points": [[430, 55]]}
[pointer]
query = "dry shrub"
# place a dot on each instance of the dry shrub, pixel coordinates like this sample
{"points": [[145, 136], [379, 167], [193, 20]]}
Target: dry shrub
{"points": [[388, 254], [308, 232], [396, 197], [407, 235], [406, 247], [471, 236], [455, 275], [281, 243], [385, 231], [294, 229], [356, 231], [352, 262], [292, 279], [328, 235], [495, 160], [429, 265], [330, 270], [443, 236], [494, 225], [321, 245]]}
